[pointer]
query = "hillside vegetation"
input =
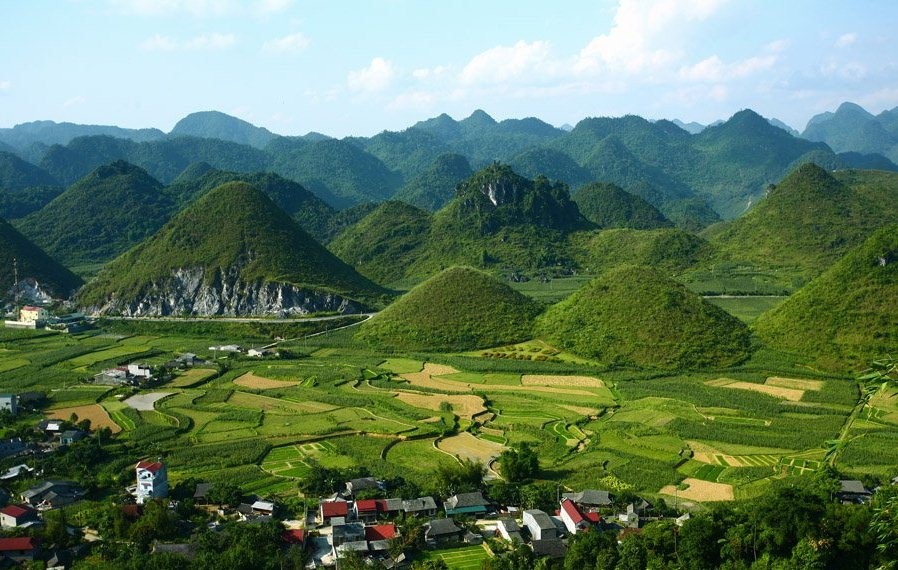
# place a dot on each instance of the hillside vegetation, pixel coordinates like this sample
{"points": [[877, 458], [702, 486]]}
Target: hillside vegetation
{"points": [[33, 263], [609, 206], [234, 229], [460, 308], [848, 316], [810, 219], [103, 215], [635, 316]]}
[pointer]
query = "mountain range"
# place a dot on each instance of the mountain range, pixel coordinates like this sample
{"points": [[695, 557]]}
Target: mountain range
{"points": [[693, 179]]}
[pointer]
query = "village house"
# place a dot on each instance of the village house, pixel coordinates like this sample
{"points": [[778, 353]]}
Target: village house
{"points": [[70, 436], [343, 532], [540, 525], [200, 496], [574, 520], [51, 427], [9, 402], [422, 506], [12, 516], [329, 510], [379, 536], [853, 492], [389, 507], [294, 537], [263, 508], [152, 481], [442, 531], [590, 498], [18, 549], [52, 494], [362, 484], [15, 471], [551, 547], [113, 377], [11, 447], [466, 503], [509, 530], [365, 510], [630, 518]]}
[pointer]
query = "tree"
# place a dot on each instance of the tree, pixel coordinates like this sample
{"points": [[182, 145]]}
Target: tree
{"points": [[460, 478], [632, 554], [519, 464], [430, 565], [885, 526], [225, 493], [698, 543]]}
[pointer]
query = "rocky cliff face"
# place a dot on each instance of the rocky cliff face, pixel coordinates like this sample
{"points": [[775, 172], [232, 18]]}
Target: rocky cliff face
{"points": [[189, 292]]}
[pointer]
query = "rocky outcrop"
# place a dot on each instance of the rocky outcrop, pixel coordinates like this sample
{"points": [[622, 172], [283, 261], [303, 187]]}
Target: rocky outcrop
{"points": [[188, 292]]}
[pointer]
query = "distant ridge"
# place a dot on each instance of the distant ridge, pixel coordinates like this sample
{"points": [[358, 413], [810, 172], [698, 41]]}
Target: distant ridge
{"points": [[217, 125]]}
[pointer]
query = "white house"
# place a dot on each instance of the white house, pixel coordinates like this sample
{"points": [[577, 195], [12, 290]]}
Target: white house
{"points": [[9, 402], [540, 525], [152, 481], [140, 371], [573, 519]]}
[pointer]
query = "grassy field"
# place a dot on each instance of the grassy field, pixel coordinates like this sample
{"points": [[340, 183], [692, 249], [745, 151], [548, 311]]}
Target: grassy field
{"points": [[336, 402], [460, 558], [747, 309]]}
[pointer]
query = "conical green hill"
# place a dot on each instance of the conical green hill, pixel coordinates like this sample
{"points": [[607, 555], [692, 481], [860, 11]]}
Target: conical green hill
{"points": [[636, 316], [33, 264], [100, 216], [458, 309], [232, 236], [806, 222], [849, 315]]}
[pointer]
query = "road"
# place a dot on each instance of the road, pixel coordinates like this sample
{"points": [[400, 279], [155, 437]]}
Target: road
{"points": [[241, 319]]}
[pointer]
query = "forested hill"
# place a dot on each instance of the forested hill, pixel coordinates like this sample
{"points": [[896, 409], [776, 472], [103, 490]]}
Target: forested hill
{"points": [[693, 179]]}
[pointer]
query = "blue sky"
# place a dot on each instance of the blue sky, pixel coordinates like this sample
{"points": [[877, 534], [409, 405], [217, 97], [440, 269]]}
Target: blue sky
{"points": [[359, 67]]}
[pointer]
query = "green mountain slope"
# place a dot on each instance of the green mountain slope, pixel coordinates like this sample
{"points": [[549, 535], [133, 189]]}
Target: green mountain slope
{"points": [[338, 172], [104, 214], [385, 242], [499, 219], [16, 174], [609, 206], [163, 159], [310, 212], [458, 309], [810, 219], [671, 250], [435, 186], [231, 252], [217, 125], [409, 152], [848, 316], [551, 163], [635, 316], [33, 264], [740, 158]]}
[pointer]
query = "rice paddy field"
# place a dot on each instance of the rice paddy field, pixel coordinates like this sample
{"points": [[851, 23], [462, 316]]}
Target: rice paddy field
{"points": [[331, 401]]}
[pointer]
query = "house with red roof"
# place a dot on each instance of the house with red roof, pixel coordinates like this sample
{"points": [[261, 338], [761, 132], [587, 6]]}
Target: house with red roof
{"points": [[379, 536], [365, 509], [574, 520], [295, 537], [18, 549], [12, 516], [332, 509], [152, 481]]}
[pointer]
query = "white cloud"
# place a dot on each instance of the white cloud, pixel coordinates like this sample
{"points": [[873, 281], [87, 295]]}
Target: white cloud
{"points": [[638, 39], [268, 7], [376, 77], [159, 43], [75, 101], [211, 42], [846, 40], [431, 72], [5, 86], [504, 63], [293, 43], [713, 69], [205, 42]]}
